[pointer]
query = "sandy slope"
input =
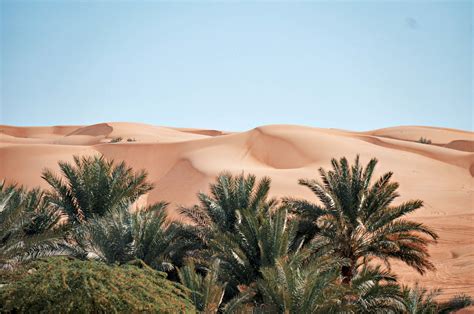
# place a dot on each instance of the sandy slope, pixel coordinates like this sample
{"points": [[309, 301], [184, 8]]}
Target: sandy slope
{"points": [[183, 161]]}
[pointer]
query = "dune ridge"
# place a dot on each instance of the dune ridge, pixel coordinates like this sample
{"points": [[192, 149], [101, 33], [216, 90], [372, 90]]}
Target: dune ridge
{"points": [[183, 161]]}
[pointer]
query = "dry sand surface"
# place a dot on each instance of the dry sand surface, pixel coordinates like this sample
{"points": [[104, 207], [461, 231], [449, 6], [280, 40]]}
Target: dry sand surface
{"points": [[183, 161]]}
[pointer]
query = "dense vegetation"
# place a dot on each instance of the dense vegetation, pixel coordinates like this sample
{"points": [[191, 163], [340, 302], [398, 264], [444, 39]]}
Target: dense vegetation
{"points": [[61, 285], [241, 252]]}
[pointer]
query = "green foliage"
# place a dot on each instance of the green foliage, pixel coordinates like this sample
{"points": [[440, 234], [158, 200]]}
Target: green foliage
{"points": [[358, 222], [219, 215], [228, 195], [260, 238], [244, 252], [373, 290], [292, 287], [121, 236], [116, 139], [206, 292], [93, 186], [295, 284], [28, 227], [424, 140], [419, 300], [455, 304], [60, 285]]}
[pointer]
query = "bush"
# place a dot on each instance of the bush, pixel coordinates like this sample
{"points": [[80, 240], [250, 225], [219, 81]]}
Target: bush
{"points": [[116, 140], [131, 139], [62, 285], [424, 140]]}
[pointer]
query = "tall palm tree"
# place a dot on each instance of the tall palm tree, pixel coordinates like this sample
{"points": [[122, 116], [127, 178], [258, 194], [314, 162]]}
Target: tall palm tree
{"points": [[357, 220], [205, 291], [93, 185], [121, 236], [28, 227]]}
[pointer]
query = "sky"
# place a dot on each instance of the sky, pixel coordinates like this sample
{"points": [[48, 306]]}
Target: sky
{"points": [[237, 65]]}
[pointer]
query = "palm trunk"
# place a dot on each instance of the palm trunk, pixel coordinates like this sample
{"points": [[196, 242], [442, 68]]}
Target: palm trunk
{"points": [[347, 275], [347, 272]]}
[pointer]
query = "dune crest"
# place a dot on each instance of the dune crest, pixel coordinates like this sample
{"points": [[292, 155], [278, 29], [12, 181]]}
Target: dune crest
{"points": [[93, 130], [182, 161]]}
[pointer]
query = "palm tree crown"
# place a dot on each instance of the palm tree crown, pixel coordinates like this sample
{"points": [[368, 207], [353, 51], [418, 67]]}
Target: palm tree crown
{"points": [[419, 300], [28, 226], [358, 221], [121, 236], [260, 238], [228, 195], [93, 186]]}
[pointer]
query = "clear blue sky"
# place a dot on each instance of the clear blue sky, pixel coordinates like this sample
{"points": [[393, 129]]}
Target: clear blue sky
{"points": [[234, 66]]}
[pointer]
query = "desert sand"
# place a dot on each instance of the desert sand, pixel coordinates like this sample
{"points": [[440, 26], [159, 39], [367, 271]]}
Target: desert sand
{"points": [[182, 162]]}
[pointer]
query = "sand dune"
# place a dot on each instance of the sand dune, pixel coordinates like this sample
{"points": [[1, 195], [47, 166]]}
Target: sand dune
{"points": [[414, 133], [183, 161]]}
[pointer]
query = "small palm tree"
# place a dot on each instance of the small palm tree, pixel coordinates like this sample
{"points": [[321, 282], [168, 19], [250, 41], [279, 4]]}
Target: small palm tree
{"points": [[228, 195], [121, 236], [218, 212], [206, 291], [260, 238], [93, 186], [28, 227], [299, 284], [291, 286], [373, 290], [419, 300], [357, 220]]}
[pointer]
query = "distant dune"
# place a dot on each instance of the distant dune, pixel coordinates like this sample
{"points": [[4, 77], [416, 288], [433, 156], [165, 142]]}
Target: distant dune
{"points": [[182, 162]]}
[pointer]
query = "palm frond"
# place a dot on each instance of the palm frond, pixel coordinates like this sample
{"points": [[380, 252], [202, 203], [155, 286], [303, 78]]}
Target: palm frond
{"points": [[206, 291], [29, 228]]}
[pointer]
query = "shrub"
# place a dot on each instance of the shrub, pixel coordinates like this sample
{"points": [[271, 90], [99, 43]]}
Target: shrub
{"points": [[61, 285], [131, 139], [116, 140], [424, 140]]}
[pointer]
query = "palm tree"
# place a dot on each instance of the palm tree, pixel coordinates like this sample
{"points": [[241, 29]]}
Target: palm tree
{"points": [[373, 290], [121, 236], [93, 186], [290, 286], [296, 284], [419, 300], [259, 239], [217, 212], [228, 195], [206, 291], [357, 220], [28, 227]]}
